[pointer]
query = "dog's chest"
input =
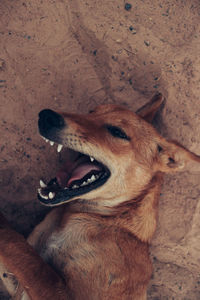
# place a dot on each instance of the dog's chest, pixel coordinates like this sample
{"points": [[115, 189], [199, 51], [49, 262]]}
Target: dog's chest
{"points": [[64, 248], [93, 256]]}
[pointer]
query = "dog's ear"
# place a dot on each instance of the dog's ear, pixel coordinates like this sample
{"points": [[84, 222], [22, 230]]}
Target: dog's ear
{"points": [[149, 110], [173, 157]]}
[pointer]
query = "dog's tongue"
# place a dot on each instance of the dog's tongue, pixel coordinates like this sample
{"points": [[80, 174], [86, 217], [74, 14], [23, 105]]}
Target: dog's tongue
{"points": [[65, 179], [81, 171]]}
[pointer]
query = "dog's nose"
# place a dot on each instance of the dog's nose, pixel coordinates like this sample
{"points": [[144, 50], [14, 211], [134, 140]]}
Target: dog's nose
{"points": [[49, 119]]}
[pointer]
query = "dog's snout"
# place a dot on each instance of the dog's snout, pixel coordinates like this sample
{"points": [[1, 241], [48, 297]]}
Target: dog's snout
{"points": [[49, 119]]}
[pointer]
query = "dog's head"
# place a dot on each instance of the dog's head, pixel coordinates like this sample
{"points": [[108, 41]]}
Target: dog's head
{"points": [[112, 155]]}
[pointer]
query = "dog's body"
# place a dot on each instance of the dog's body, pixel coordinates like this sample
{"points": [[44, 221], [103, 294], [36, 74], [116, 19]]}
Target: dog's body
{"points": [[95, 245]]}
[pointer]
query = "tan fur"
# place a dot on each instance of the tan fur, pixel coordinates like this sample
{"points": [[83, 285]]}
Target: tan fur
{"points": [[96, 246]]}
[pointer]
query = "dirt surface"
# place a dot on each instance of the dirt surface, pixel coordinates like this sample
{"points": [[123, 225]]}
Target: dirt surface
{"points": [[73, 55]]}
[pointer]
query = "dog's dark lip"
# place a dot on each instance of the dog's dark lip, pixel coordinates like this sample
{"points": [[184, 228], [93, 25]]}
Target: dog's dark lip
{"points": [[64, 195]]}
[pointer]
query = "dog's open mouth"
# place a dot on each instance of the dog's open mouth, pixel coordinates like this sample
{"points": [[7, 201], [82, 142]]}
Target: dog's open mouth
{"points": [[77, 176]]}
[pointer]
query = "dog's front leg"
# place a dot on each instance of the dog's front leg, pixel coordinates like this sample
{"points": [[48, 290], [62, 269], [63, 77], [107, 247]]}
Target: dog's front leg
{"points": [[38, 279]]}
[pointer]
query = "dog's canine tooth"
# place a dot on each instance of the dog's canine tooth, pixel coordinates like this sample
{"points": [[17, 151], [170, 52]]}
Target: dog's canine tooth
{"points": [[84, 183], [42, 184], [51, 195], [51, 143], [59, 147], [91, 158]]}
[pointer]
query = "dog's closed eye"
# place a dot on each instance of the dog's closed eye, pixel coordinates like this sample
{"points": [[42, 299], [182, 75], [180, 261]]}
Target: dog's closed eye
{"points": [[117, 132]]}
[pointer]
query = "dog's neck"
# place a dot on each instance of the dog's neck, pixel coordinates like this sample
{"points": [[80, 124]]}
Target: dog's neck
{"points": [[138, 216]]}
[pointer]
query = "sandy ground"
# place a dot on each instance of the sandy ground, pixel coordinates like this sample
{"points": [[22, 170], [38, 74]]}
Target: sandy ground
{"points": [[73, 55]]}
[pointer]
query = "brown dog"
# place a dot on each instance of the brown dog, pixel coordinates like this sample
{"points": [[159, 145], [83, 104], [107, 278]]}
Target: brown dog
{"points": [[94, 245]]}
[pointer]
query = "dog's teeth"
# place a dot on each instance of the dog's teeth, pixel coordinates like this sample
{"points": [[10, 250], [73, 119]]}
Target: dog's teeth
{"points": [[91, 158], [39, 192], [88, 181], [44, 138], [41, 195], [42, 184], [92, 178], [51, 195], [51, 143], [59, 148], [75, 186]]}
